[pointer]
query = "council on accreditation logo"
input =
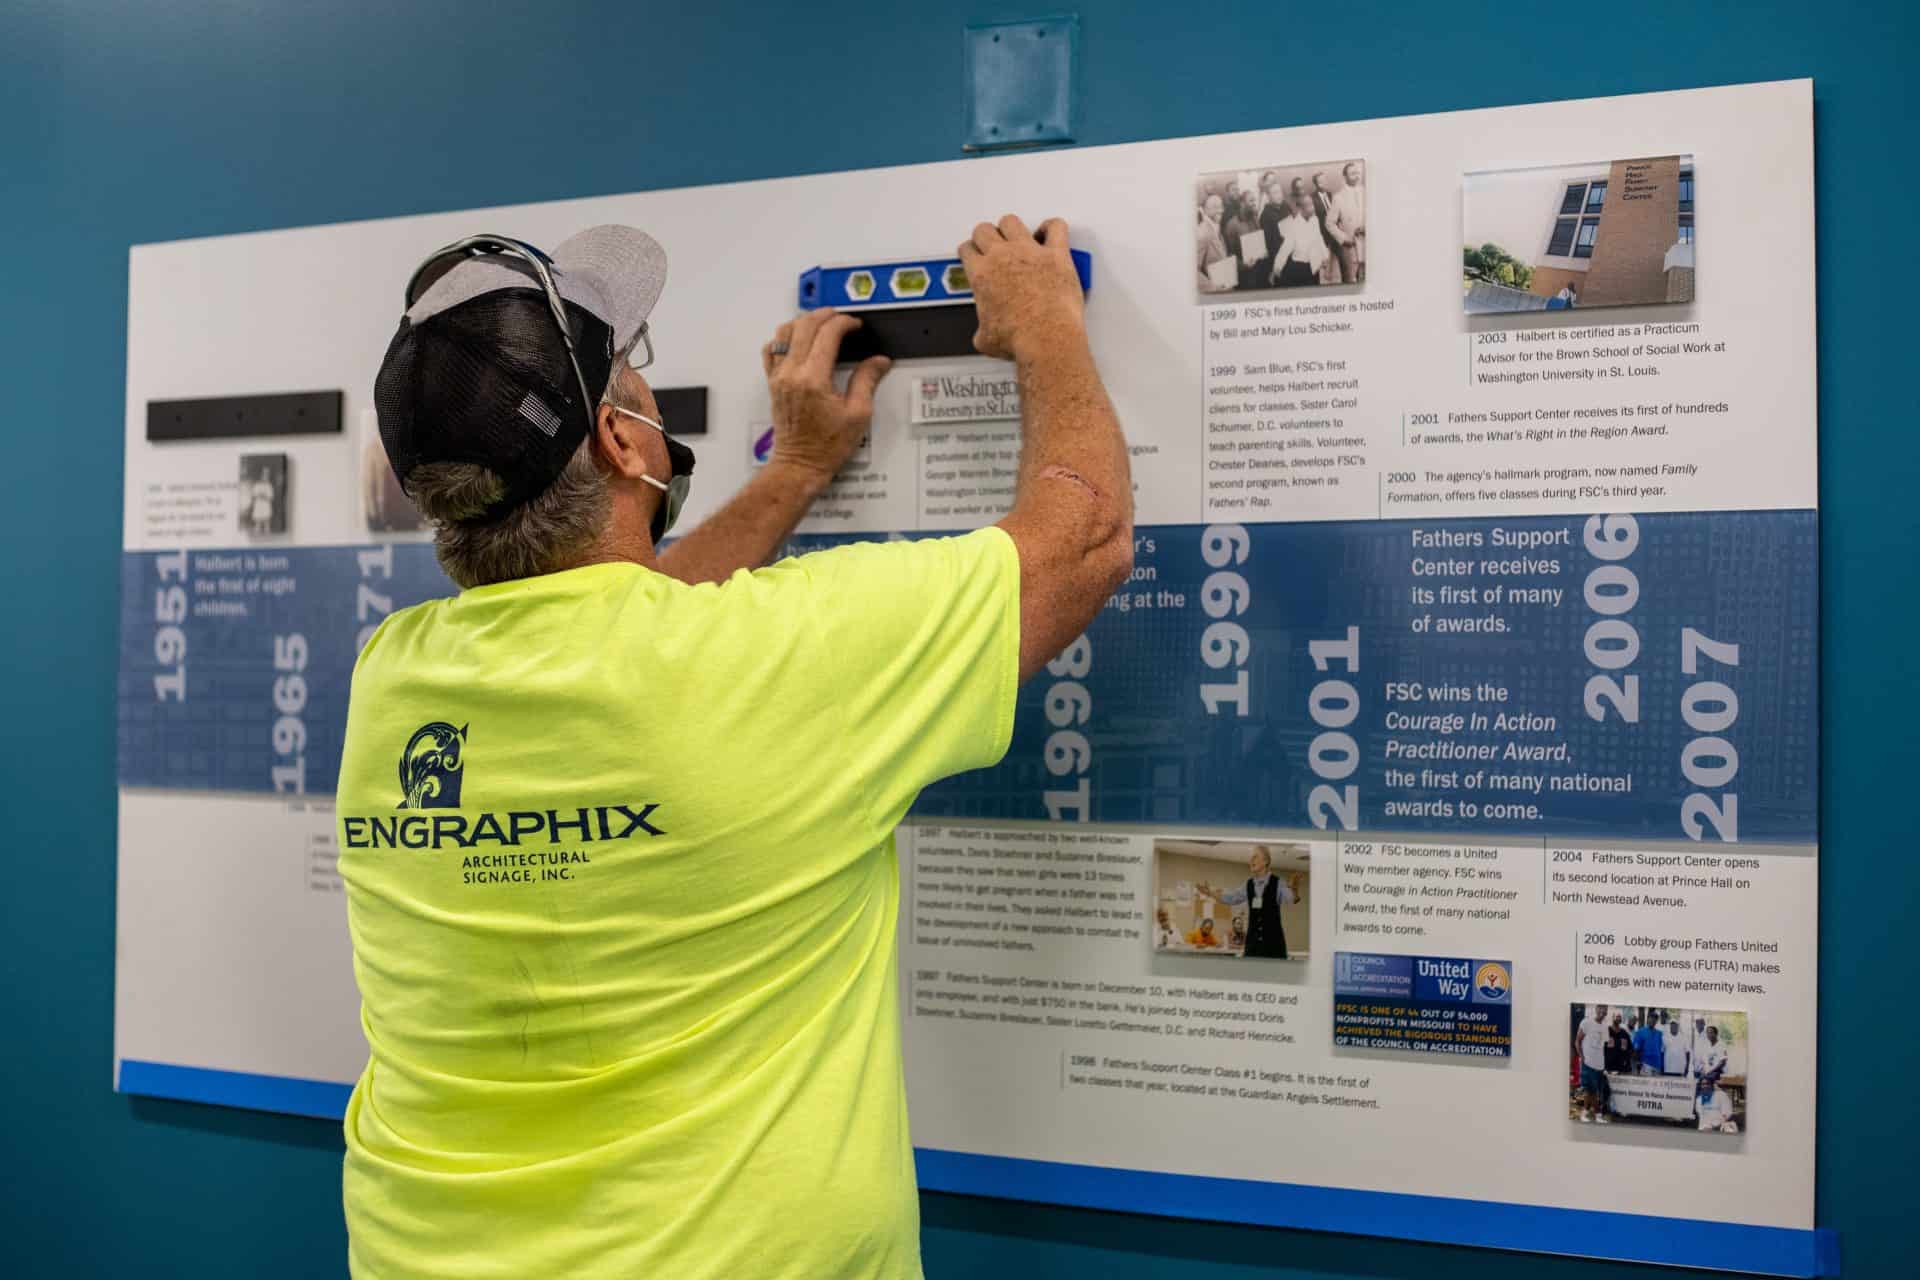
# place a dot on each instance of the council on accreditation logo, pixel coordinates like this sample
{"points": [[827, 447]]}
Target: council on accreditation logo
{"points": [[1493, 982], [431, 766]]}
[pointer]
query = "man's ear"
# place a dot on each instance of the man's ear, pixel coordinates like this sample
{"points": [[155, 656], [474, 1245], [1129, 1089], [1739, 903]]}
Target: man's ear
{"points": [[617, 443]]}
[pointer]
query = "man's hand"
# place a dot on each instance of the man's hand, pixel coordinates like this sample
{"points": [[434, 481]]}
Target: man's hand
{"points": [[1024, 287], [815, 427]]}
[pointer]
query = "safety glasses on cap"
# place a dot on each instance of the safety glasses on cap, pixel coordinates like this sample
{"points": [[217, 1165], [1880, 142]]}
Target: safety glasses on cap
{"points": [[642, 340], [680, 457], [430, 272]]}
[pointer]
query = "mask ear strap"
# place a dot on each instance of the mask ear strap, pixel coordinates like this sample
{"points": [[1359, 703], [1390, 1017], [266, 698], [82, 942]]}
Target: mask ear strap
{"points": [[641, 416], [661, 486]]}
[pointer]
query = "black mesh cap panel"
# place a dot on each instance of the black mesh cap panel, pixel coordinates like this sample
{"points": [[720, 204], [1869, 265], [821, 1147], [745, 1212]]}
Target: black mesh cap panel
{"points": [[488, 382]]}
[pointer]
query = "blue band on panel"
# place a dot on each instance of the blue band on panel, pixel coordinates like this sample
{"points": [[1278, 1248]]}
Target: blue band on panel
{"points": [[1490, 1224], [1686, 1242], [321, 1098]]}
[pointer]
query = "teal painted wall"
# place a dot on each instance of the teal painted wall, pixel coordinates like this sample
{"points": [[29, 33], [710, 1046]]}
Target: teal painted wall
{"points": [[131, 122]]}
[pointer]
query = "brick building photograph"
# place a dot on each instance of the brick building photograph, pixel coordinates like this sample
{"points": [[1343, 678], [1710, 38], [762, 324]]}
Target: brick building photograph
{"points": [[1610, 234]]}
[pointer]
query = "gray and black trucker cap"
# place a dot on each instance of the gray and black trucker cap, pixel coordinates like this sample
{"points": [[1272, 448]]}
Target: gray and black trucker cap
{"points": [[478, 372]]}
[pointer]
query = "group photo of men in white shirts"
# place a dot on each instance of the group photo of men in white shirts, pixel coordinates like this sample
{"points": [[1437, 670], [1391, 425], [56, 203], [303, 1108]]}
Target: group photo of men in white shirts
{"points": [[1282, 227], [1647, 1064]]}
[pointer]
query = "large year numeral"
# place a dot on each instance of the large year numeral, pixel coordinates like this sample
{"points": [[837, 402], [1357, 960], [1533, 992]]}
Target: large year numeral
{"points": [[1709, 761], [289, 772], [1224, 596], [1333, 755], [169, 638], [1067, 752], [1611, 641]]}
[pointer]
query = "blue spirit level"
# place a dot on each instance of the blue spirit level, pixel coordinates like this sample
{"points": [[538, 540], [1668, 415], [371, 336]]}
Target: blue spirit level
{"points": [[912, 308]]}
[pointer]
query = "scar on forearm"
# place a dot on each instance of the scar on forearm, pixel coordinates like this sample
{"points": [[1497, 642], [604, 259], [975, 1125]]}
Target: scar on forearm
{"points": [[1053, 471]]}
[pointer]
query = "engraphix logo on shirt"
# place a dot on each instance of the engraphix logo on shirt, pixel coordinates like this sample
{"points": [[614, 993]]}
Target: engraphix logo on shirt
{"points": [[431, 769], [431, 766]]}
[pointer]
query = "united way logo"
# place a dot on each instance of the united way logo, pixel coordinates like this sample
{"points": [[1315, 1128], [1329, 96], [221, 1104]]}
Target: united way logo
{"points": [[431, 765], [1492, 983]]}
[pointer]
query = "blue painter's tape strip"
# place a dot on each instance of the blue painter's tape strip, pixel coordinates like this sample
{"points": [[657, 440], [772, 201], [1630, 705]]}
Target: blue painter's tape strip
{"points": [[1780, 1251], [321, 1098], [1826, 1246]]}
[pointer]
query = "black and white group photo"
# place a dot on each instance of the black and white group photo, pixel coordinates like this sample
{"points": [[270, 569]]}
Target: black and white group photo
{"points": [[1284, 227]]}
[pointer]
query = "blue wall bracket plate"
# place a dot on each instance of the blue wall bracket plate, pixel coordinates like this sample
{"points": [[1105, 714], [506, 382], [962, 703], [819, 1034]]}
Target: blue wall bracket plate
{"points": [[1020, 82]]}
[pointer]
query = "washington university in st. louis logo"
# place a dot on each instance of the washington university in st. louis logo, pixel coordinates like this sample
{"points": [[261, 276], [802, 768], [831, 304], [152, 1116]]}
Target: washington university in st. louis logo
{"points": [[430, 767]]}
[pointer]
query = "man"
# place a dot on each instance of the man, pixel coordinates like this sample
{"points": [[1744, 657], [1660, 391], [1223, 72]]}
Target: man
{"points": [[1590, 1047], [1165, 935], [1335, 270], [1619, 1057], [1713, 1064], [1275, 211], [1714, 1108], [1649, 1051], [1697, 1045], [628, 982], [1262, 896], [1243, 220], [1211, 246], [1713, 1104], [1302, 250], [1675, 1046], [1203, 935], [1349, 221]]}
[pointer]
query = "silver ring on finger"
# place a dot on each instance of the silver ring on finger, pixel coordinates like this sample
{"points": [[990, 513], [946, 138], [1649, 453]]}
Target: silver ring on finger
{"points": [[780, 349]]}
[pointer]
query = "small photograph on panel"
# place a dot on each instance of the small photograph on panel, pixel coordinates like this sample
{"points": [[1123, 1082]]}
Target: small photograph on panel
{"points": [[263, 493], [383, 502], [1231, 898], [1287, 226], [1574, 237], [1681, 1069]]}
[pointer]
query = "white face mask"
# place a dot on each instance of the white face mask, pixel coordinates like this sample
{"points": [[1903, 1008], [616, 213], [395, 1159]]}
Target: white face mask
{"points": [[678, 481]]}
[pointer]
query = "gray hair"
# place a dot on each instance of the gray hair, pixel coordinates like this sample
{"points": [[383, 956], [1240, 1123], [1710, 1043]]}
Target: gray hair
{"points": [[554, 531]]}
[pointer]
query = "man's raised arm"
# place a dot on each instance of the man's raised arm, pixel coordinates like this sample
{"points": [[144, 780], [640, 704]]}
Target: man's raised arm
{"points": [[815, 430], [1072, 517]]}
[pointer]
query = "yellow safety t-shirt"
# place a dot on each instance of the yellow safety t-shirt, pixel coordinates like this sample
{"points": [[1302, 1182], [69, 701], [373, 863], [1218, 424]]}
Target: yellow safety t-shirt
{"points": [[622, 887]]}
